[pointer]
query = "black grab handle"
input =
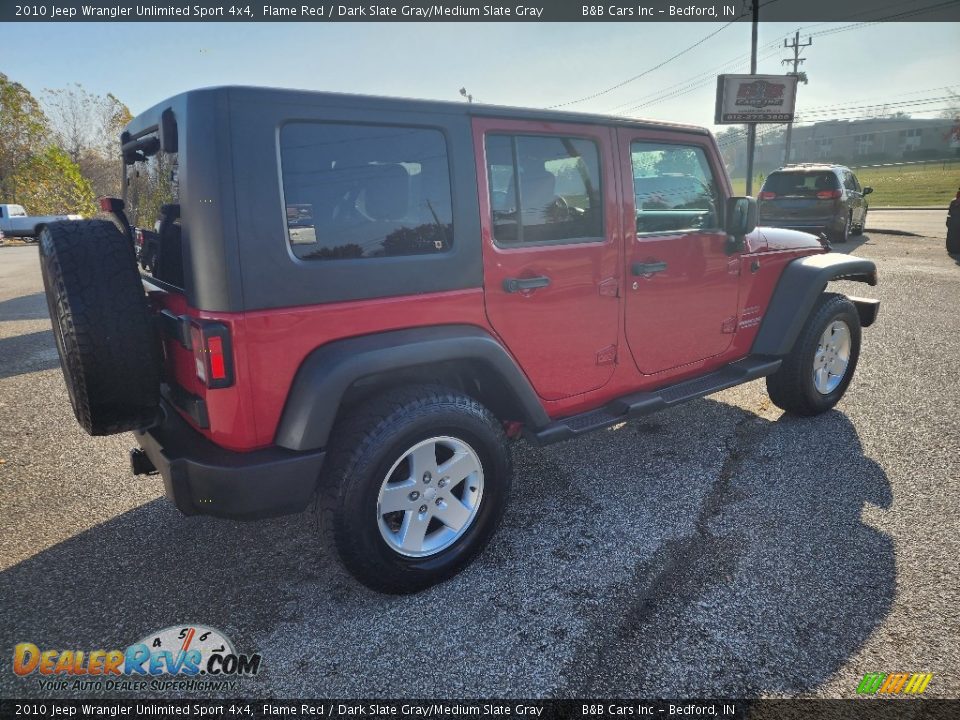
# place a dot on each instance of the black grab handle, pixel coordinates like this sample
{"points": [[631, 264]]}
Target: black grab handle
{"points": [[512, 285], [649, 268]]}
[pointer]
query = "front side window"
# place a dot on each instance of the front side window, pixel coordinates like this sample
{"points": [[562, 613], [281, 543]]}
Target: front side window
{"points": [[544, 189], [365, 191], [673, 188]]}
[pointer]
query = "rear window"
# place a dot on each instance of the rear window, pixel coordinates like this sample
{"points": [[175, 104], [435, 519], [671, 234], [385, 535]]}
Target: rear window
{"points": [[801, 183], [152, 197], [365, 191]]}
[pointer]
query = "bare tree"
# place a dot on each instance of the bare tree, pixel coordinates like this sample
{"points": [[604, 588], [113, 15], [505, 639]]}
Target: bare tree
{"points": [[87, 127]]}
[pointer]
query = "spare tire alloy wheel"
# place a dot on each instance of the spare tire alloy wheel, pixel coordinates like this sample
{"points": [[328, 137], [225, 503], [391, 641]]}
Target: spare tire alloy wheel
{"points": [[109, 352], [423, 507]]}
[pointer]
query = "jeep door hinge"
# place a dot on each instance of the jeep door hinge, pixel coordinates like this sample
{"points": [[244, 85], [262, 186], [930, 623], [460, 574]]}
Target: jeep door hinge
{"points": [[609, 287], [607, 356]]}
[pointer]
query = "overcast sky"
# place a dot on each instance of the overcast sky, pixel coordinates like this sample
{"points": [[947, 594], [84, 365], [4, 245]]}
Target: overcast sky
{"points": [[526, 64]]}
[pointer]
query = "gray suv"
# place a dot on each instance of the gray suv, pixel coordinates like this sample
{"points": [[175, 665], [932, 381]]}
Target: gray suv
{"points": [[815, 198]]}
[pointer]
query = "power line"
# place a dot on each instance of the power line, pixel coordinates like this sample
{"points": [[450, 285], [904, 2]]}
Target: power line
{"points": [[711, 80], [659, 97], [670, 59], [797, 61], [700, 42]]}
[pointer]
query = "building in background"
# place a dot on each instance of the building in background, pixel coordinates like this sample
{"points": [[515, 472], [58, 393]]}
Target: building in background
{"points": [[847, 142]]}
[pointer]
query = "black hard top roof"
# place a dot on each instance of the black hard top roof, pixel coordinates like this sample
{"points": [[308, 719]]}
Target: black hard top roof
{"points": [[147, 118]]}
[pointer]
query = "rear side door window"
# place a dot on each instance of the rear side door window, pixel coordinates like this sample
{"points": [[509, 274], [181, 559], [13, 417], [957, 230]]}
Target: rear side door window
{"points": [[674, 189], [365, 191], [544, 189]]}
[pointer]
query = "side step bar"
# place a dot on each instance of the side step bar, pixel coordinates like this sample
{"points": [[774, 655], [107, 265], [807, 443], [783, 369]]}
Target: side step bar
{"points": [[644, 403]]}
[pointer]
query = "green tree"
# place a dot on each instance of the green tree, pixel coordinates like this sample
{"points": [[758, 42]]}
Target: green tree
{"points": [[50, 183], [23, 131]]}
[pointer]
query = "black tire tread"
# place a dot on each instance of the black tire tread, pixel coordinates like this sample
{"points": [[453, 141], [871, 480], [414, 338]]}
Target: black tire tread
{"points": [[354, 438], [110, 353], [786, 386]]}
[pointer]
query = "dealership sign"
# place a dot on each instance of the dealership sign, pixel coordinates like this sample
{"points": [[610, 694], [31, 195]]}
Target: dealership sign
{"points": [[755, 98]]}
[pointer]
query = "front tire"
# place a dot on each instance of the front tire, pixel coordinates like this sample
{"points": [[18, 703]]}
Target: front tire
{"points": [[415, 486], [817, 371]]}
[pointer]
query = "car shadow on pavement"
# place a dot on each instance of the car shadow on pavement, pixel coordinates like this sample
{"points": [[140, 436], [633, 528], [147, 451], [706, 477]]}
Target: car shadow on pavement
{"points": [[855, 241], [780, 583], [25, 307], [28, 353], [704, 551]]}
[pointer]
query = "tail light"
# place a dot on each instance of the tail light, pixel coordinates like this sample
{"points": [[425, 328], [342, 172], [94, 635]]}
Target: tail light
{"points": [[767, 195], [138, 237], [212, 353], [829, 194]]}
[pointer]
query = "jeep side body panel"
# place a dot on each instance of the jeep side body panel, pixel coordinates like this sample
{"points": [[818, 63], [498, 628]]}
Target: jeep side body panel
{"points": [[647, 300]]}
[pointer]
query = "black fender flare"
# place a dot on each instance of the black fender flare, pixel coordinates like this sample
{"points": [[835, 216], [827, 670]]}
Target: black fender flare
{"points": [[803, 281], [327, 373]]}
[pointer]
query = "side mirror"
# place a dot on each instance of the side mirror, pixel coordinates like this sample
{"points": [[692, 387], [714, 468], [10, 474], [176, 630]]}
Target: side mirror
{"points": [[741, 216], [867, 190]]}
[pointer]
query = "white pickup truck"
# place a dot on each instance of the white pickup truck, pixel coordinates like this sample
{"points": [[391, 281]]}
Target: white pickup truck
{"points": [[14, 221]]}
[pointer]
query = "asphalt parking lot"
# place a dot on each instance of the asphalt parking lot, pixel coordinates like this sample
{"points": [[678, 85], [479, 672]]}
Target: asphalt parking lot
{"points": [[717, 549]]}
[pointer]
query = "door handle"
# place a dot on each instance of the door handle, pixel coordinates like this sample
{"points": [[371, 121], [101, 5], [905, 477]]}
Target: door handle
{"points": [[512, 285], [649, 268]]}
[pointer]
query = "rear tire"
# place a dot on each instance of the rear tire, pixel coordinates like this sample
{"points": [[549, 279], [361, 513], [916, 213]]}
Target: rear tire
{"points": [[817, 371], [953, 237], [843, 235], [393, 451], [858, 230], [101, 324]]}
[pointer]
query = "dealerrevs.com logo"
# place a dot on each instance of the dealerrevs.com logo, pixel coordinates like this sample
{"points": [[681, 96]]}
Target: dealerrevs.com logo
{"points": [[179, 657]]}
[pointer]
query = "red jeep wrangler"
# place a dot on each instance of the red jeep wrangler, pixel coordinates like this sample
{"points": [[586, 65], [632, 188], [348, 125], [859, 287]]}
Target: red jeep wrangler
{"points": [[361, 299]]}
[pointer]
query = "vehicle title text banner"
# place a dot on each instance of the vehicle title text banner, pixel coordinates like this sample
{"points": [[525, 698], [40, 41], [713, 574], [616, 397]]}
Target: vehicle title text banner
{"points": [[716, 11]]}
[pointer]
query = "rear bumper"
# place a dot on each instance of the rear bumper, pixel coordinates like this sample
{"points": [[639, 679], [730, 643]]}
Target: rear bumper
{"points": [[202, 478]]}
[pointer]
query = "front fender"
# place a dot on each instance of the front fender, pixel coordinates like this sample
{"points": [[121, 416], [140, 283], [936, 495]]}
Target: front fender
{"points": [[803, 281]]}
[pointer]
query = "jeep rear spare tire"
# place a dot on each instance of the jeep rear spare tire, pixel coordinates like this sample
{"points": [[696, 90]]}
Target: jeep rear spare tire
{"points": [[101, 324]]}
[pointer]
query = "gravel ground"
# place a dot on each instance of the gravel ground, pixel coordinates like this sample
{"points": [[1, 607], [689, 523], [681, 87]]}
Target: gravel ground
{"points": [[719, 548]]}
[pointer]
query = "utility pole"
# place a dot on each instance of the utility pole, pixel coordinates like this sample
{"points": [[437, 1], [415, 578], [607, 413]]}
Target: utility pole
{"points": [[797, 61], [752, 127]]}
